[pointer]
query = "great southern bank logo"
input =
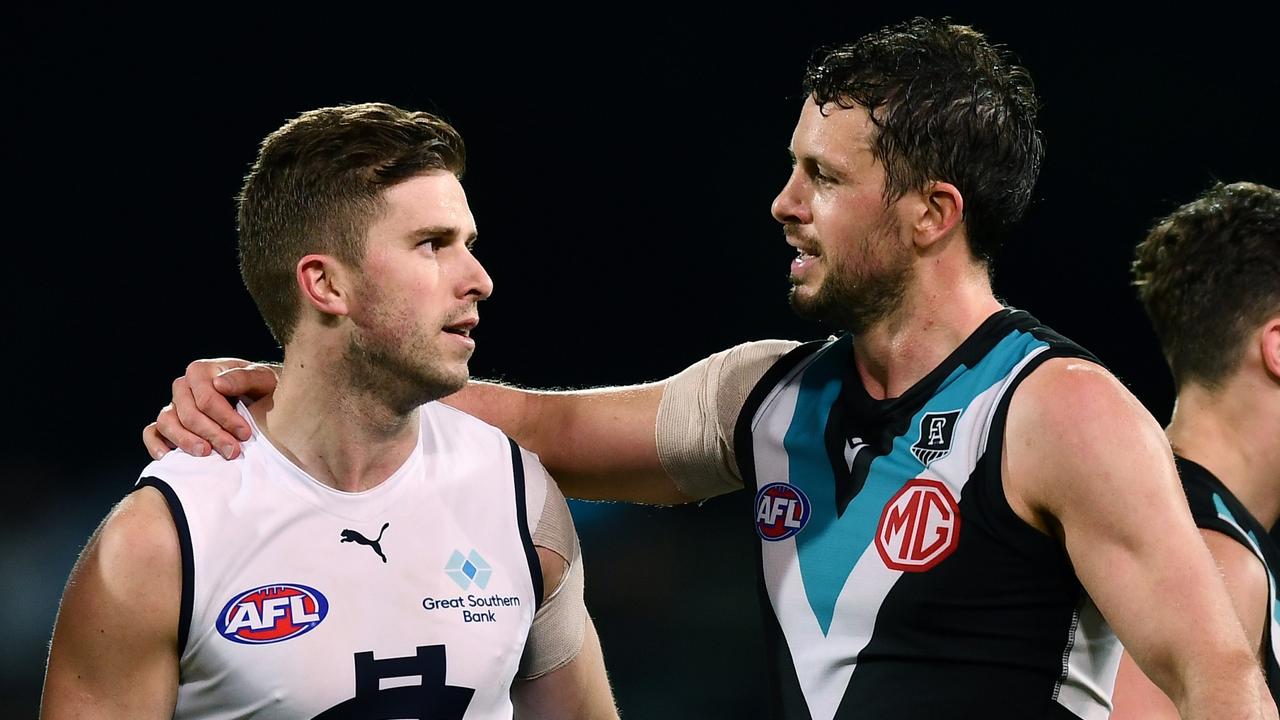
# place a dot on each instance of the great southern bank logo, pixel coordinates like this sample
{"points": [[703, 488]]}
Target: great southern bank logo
{"points": [[272, 613], [467, 570], [781, 511]]}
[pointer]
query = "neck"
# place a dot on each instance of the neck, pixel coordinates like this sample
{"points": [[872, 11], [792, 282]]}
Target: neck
{"points": [[937, 314], [343, 437], [1234, 432]]}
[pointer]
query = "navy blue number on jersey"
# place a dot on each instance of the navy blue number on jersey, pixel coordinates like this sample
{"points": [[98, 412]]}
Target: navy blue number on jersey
{"points": [[432, 699]]}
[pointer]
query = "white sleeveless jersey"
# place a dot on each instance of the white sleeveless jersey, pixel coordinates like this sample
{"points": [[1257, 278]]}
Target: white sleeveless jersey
{"points": [[410, 600]]}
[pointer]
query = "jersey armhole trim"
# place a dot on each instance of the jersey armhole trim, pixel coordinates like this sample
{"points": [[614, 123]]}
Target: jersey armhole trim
{"points": [[1222, 527], [992, 456], [742, 443], [188, 557], [522, 523]]}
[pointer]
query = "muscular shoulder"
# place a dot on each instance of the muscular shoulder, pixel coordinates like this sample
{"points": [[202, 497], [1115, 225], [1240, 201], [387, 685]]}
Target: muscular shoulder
{"points": [[133, 561], [1075, 408], [139, 533], [1074, 429], [1076, 398], [114, 648]]}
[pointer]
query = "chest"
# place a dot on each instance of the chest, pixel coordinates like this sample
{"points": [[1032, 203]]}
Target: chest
{"points": [[422, 605]]}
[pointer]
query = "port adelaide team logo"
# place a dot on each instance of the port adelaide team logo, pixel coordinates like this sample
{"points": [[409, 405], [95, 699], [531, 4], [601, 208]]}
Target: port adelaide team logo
{"points": [[782, 510], [272, 613], [936, 431]]}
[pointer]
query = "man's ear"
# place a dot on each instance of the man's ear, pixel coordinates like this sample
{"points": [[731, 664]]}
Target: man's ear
{"points": [[939, 213], [325, 284], [1269, 339]]}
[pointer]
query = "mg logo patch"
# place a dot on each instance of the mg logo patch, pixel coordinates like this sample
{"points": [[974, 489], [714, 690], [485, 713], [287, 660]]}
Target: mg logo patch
{"points": [[272, 613], [919, 528], [936, 430], [781, 511]]}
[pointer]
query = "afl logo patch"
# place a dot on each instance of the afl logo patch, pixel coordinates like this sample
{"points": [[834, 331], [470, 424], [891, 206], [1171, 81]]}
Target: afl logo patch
{"points": [[272, 613], [919, 528], [782, 510]]}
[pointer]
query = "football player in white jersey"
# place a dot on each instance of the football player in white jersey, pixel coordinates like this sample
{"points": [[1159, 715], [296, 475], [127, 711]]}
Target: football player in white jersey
{"points": [[915, 149], [355, 242]]}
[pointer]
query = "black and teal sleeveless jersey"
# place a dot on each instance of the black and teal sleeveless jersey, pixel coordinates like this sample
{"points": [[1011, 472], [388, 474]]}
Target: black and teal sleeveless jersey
{"points": [[1214, 507], [897, 581]]}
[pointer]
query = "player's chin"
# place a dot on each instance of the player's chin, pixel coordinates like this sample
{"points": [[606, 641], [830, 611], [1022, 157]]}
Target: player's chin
{"points": [[457, 375], [802, 299]]}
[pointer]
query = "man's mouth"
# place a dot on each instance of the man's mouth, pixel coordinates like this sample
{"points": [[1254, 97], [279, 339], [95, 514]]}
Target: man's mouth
{"points": [[462, 328], [805, 251], [804, 257]]}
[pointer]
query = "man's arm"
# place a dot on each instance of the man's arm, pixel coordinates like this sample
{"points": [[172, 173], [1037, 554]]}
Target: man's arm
{"points": [[578, 691], [1136, 697], [599, 444], [115, 646], [1084, 462], [562, 672], [664, 443]]}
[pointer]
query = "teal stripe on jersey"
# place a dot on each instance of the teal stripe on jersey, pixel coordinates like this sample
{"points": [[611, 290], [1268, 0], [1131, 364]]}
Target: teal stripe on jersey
{"points": [[824, 562], [830, 546], [1225, 513]]}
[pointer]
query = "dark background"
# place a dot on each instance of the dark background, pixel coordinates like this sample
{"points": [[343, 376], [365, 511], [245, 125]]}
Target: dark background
{"points": [[622, 161]]}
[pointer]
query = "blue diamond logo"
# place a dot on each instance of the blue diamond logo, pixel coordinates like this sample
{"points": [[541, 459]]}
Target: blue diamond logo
{"points": [[464, 570]]}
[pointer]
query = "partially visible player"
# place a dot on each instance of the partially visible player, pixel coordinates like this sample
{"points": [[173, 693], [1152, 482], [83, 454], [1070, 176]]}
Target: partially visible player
{"points": [[1209, 278], [372, 553]]}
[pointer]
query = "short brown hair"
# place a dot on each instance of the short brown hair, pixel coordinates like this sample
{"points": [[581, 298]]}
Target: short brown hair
{"points": [[948, 105], [1208, 274], [317, 184]]}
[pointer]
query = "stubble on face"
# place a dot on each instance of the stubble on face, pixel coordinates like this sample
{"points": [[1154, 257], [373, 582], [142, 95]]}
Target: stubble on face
{"points": [[859, 289], [392, 356]]}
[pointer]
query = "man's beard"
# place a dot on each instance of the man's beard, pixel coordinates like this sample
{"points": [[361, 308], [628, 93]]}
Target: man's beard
{"points": [[401, 370], [856, 300]]}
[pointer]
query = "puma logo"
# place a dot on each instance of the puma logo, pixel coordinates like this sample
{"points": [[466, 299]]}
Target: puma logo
{"points": [[356, 537]]}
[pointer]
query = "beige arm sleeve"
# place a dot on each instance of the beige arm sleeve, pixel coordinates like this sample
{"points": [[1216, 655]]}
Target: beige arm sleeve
{"points": [[698, 412], [560, 624]]}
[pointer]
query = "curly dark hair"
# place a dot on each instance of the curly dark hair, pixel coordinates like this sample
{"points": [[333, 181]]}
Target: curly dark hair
{"points": [[948, 106], [317, 184], [1208, 275]]}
